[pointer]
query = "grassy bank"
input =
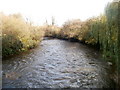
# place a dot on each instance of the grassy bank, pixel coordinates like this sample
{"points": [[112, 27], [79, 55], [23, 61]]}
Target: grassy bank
{"points": [[18, 35]]}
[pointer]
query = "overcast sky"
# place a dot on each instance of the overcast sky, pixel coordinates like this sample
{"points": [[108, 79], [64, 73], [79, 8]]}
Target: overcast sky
{"points": [[40, 10]]}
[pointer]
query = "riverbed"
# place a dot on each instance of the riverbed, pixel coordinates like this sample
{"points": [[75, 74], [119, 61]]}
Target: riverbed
{"points": [[57, 64]]}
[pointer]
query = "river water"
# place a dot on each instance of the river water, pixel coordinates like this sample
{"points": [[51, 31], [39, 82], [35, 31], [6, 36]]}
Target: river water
{"points": [[56, 64]]}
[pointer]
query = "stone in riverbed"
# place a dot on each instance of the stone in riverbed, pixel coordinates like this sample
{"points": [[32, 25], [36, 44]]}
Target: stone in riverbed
{"points": [[73, 80], [109, 63]]}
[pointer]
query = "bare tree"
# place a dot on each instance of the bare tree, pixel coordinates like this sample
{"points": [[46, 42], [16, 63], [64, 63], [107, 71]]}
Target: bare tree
{"points": [[53, 21]]}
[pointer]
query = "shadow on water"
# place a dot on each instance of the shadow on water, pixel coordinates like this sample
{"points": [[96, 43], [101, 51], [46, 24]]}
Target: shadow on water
{"points": [[57, 64]]}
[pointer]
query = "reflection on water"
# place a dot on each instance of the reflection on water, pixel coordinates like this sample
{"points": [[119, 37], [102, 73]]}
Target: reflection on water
{"points": [[56, 64]]}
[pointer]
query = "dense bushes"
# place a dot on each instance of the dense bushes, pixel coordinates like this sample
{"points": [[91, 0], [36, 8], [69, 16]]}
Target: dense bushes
{"points": [[111, 44], [18, 35], [51, 30], [71, 29]]}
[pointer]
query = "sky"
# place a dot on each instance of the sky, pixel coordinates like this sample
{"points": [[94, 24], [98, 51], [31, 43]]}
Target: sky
{"points": [[38, 11]]}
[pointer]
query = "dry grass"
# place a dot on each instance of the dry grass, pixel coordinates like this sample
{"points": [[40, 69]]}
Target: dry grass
{"points": [[18, 35]]}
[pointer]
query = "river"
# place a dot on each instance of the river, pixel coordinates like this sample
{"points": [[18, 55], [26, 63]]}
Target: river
{"points": [[57, 64]]}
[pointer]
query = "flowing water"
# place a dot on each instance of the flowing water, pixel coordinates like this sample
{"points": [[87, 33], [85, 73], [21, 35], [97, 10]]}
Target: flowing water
{"points": [[56, 64]]}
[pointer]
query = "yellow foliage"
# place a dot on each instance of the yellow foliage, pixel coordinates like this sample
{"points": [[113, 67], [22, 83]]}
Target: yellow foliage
{"points": [[18, 35]]}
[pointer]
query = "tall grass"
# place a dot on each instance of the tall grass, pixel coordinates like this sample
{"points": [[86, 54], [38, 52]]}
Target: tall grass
{"points": [[18, 35]]}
